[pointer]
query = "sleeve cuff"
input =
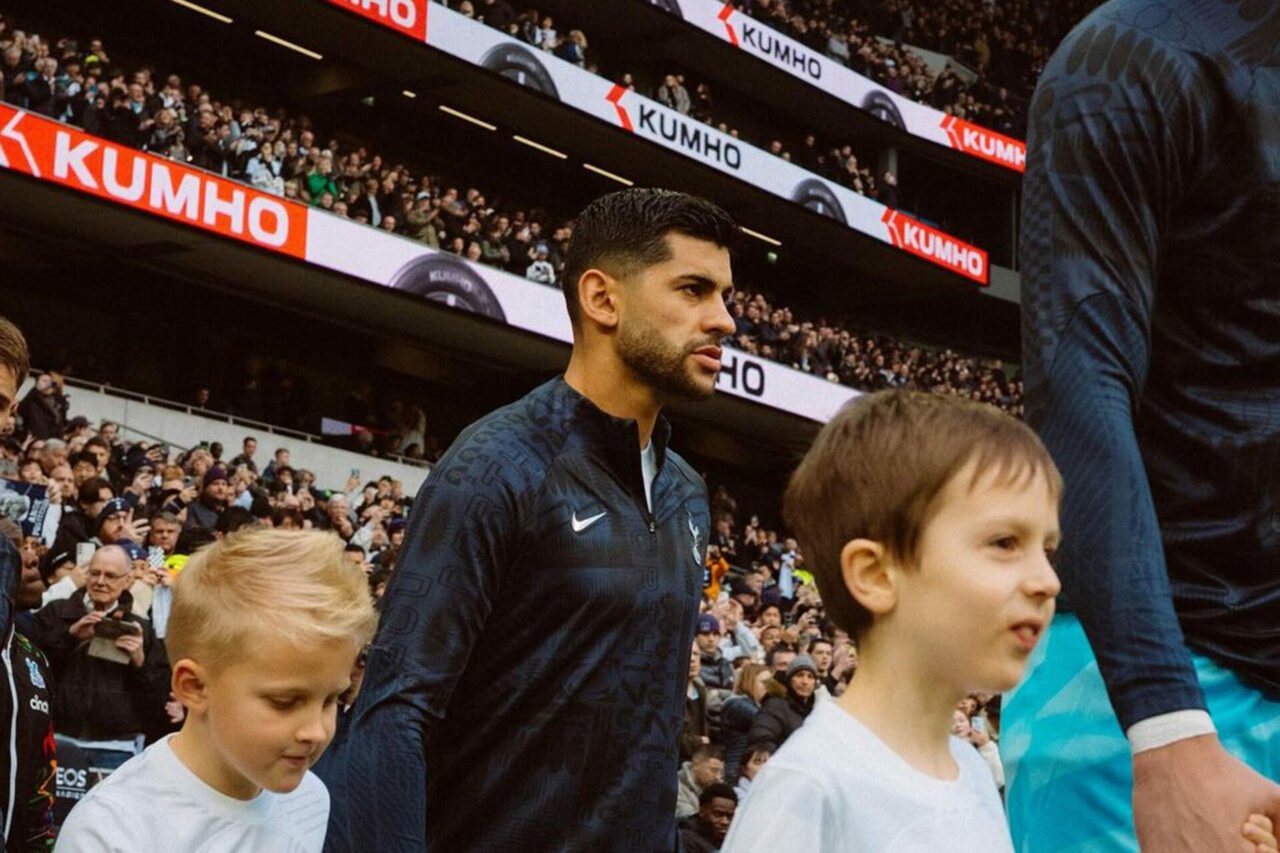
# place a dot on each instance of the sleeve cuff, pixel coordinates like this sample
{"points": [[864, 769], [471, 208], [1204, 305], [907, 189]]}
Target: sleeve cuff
{"points": [[1164, 729]]}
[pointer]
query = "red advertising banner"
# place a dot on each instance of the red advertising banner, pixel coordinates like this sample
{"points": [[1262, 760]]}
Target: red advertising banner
{"points": [[52, 151], [985, 144], [935, 246], [407, 16]]}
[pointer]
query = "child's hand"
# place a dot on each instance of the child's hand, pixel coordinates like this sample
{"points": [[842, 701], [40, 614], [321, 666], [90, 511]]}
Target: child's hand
{"points": [[1259, 832]]}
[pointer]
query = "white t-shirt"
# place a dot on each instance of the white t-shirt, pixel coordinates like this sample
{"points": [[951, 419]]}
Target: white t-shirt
{"points": [[649, 467], [835, 787], [154, 802]]}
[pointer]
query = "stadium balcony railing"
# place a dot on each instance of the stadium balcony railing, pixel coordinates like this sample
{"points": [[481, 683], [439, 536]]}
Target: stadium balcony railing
{"points": [[144, 417]]}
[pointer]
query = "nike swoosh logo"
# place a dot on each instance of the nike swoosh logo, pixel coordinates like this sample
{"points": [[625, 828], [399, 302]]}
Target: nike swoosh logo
{"points": [[579, 526]]}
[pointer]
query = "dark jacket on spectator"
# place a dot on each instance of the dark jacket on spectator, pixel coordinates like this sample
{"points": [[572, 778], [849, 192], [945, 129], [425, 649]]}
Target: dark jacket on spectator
{"points": [[497, 13], [201, 516], [42, 95], [43, 416], [99, 699], [696, 726], [778, 717], [735, 724], [697, 837], [716, 670]]}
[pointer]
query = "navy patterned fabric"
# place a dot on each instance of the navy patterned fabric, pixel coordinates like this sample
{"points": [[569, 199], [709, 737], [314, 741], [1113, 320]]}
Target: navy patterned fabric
{"points": [[1151, 334], [526, 688]]}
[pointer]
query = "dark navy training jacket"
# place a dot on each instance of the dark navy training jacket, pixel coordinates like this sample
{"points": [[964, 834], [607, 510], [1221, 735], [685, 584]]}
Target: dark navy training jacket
{"points": [[1151, 335], [525, 690]]}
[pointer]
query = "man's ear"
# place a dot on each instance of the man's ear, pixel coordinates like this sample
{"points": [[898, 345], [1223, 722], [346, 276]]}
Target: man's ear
{"points": [[869, 575], [598, 298], [189, 684]]}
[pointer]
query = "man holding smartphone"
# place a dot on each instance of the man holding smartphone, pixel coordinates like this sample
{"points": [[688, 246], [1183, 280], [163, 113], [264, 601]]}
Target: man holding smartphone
{"points": [[112, 674]]}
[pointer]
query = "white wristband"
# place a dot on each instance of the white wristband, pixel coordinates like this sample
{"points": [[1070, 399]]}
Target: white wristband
{"points": [[1164, 729]]}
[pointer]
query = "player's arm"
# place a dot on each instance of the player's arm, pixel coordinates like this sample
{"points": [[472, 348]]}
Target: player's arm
{"points": [[1109, 156], [1119, 124], [447, 576]]}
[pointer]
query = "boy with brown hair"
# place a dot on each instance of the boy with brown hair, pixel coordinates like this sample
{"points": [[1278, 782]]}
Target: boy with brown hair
{"points": [[931, 524], [264, 632]]}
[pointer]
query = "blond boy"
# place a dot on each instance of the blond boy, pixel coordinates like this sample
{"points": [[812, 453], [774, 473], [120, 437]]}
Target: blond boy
{"points": [[264, 632]]}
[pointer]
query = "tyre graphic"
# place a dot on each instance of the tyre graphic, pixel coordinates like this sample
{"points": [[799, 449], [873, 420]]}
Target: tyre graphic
{"points": [[518, 63], [818, 197], [445, 279], [672, 6], [880, 104]]}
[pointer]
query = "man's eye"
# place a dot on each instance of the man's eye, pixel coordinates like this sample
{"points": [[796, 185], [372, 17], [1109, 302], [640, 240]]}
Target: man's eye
{"points": [[1006, 543], [282, 704]]}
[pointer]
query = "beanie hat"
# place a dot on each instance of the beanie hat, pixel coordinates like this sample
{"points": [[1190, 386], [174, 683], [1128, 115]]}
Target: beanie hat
{"points": [[800, 662], [112, 507]]}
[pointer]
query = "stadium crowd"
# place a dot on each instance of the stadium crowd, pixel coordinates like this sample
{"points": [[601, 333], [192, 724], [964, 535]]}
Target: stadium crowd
{"points": [[1006, 43], [834, 160], [281, 153], [130, 512], [1002, 47]]}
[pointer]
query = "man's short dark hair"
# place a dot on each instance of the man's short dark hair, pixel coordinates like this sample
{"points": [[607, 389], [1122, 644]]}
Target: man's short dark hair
{"points": [[82, 456], [97, 441], [233, 518], [627, 230], [91, 490], [14, 353], [706, 752], [717, 791]]}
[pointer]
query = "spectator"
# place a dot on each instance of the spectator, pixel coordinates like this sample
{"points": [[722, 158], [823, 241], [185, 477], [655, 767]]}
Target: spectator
{"points": [[115, 523], [717, 671], [822, 651], [44, 95], [44, 410], [705, 831], [696, 728], [279, 460], [541, 270], [673, 94], [573, 48], [111, 688], [245, 458], [751, 685], [780, 716], [497, 14], [214, 497], [756, 757], [704, 768], [545, 37]]}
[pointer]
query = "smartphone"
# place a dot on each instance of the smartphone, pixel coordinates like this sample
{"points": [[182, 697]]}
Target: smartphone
{"points": [[155, 557], [111, 629], [355, 472], [84, 552], [978, 724]]}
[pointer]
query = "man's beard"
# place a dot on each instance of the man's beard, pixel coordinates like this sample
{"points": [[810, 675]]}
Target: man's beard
{"points": [[662, 366]]}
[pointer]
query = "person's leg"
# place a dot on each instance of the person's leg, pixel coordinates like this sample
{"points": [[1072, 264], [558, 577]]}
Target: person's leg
{"points": [[1068, 774]]}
